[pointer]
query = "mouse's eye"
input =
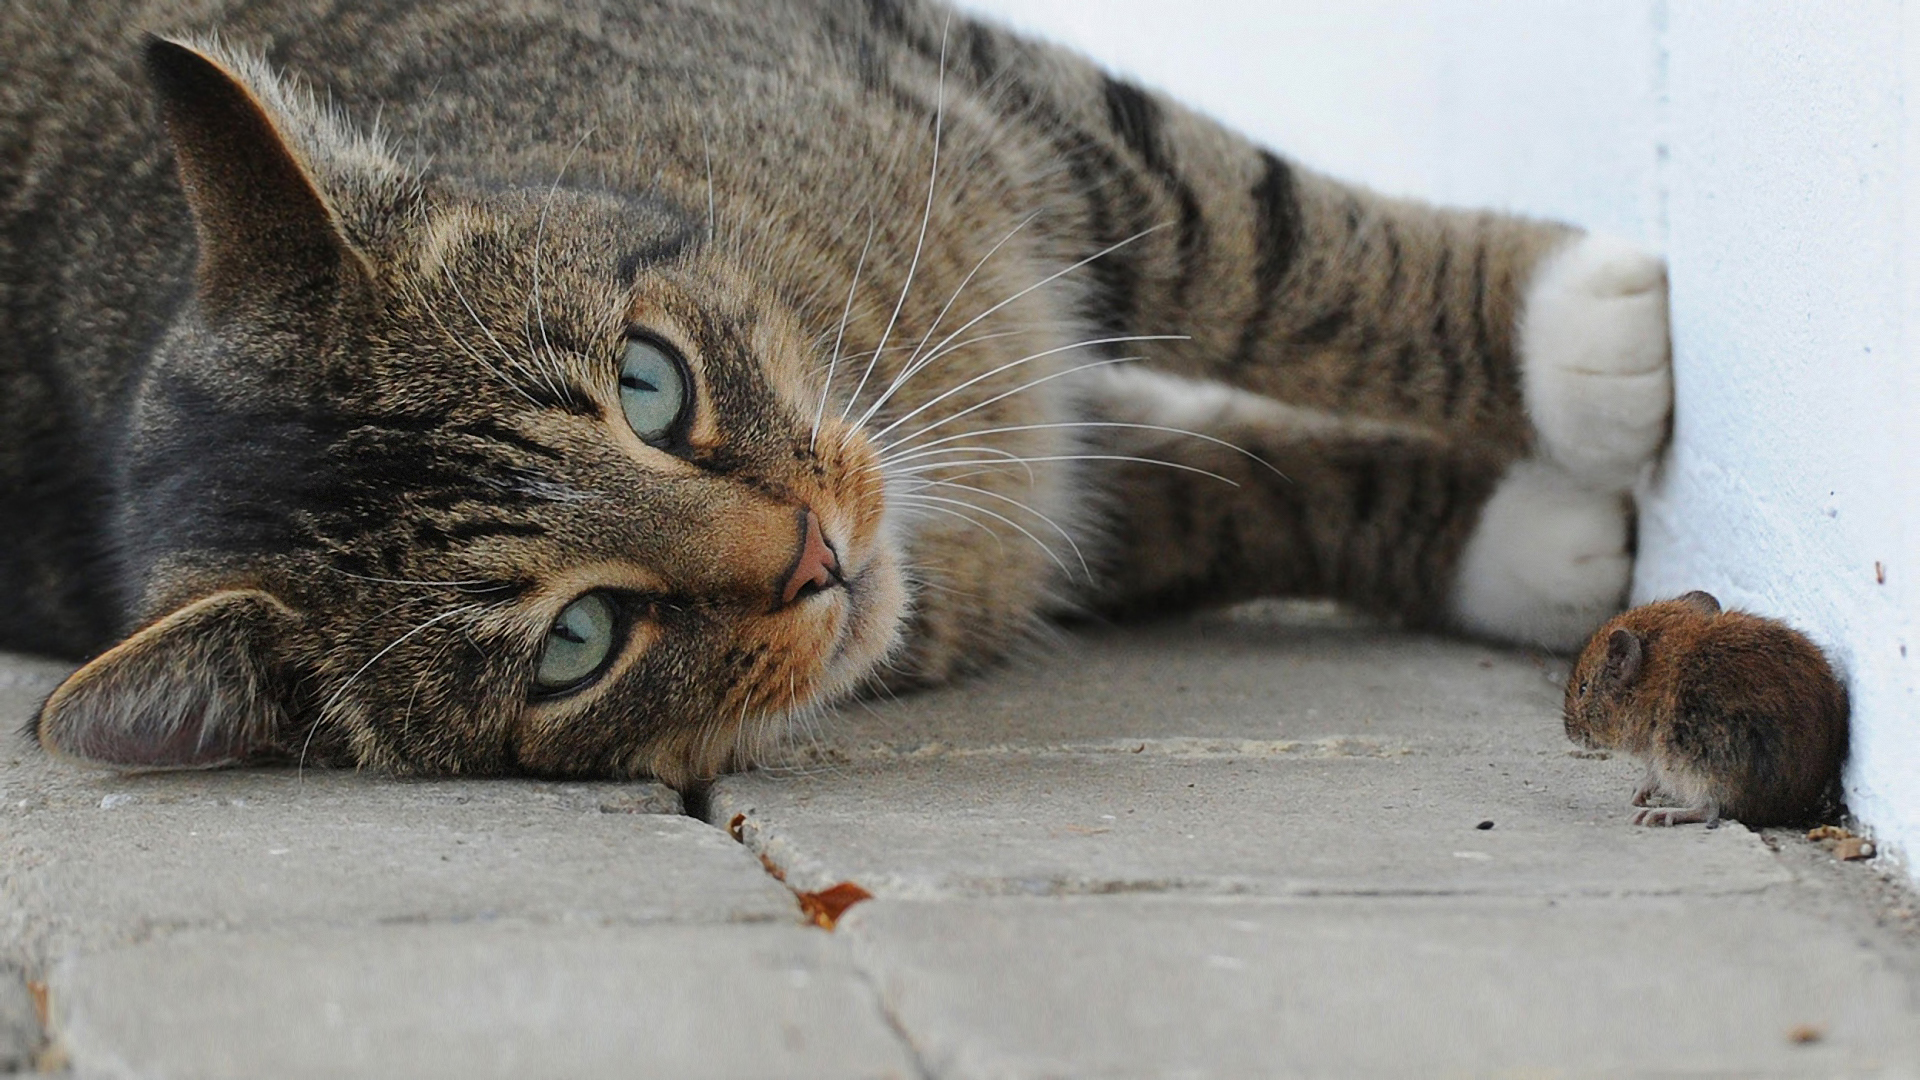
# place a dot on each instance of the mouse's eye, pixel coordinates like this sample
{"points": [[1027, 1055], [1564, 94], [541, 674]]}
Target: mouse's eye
{"points": [[1583, 686]]}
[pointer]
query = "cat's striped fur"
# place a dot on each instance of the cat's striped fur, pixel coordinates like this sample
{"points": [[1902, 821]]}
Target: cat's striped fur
{"points": [[330, 489]]}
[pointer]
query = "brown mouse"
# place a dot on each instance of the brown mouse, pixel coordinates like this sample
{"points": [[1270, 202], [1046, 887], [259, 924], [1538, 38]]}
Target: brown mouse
{"points": [[1734, 714]]}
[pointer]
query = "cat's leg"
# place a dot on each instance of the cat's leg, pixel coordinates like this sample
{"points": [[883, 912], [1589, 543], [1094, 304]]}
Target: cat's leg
{"points": [[1503, 339], [1522, 360], [1269, 499], [1548, 561], [1529, 337], [1266, 498]]}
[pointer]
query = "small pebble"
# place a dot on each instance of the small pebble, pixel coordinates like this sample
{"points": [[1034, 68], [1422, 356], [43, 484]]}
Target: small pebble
{"points": [[1853, 847], [1806, 1033], [1484, 826]]}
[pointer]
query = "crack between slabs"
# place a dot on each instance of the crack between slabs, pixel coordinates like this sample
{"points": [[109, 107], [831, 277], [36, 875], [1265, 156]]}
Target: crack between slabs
{"points": [[822, 909]]}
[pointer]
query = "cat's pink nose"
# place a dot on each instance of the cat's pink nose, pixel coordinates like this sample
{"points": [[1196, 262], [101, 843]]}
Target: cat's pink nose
{"points": [[817, 567]]}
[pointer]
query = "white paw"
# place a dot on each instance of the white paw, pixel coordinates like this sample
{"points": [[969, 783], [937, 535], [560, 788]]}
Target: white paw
{"points": [[1548, 562], [1595, 358]]}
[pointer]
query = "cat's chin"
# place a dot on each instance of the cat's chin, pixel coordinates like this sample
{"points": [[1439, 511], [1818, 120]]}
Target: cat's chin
{"points": [[876, 616]]}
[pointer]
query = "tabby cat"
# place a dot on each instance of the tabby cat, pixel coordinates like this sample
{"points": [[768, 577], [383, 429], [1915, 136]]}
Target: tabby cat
{"points": [[594, 387]]}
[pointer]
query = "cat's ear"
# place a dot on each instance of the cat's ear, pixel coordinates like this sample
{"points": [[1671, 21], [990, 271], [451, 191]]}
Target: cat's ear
{"points": [[265, 229], [1625, 650], [1701, 601], [193, 690]]}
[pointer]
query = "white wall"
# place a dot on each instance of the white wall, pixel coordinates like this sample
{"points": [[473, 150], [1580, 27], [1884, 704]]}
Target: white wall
{"points": [[1770, 147]]}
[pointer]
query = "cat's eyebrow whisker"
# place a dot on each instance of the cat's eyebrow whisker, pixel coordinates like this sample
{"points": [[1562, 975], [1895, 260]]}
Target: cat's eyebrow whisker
{"points": [[320, 715], [1055, 526], [477, 583], [982, 377], [926, 219], [840, 336], [1042, 545], [915, 364], [512, 361], [706, 148], [539, 239], [926, 449], [460, 342]]}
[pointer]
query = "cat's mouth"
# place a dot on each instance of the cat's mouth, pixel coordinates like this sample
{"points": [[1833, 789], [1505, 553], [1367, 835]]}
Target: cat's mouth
{"points": [[875, 600]]}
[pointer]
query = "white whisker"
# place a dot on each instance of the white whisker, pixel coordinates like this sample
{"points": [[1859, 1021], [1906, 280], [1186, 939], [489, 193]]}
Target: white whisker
{"points": [[927, 448], [1064, 535], [1021, 389], [539, 239], [840, 336], [955, 513], [1049, 279], [1066, 457], [915, 364], [926, 218], [511, 360], [706, 148], [321, 715], [884, 464], [460, 342], [1051, 554]]}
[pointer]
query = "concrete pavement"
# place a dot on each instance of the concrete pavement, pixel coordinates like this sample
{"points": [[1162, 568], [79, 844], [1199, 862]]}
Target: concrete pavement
{"points": [[1266, 842]]}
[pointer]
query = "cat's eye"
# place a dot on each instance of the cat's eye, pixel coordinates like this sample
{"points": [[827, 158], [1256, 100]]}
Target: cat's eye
{"points": [[653, 389], [578, 646]]}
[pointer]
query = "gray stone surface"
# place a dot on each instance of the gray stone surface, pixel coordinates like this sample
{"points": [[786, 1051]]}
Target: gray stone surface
{"points": [[1283, 825], [1259, 751], [93, 859], [1131, 986], [281, 923], [444, 1001], [19, 1027], [1277, 673], [1246, 844]]}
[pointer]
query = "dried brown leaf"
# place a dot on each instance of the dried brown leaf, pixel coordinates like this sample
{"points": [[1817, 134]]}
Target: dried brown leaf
{"points": [[826, 906]]}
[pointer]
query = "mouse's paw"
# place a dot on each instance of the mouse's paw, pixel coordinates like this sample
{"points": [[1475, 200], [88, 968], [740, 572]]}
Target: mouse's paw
{"points": [[1547, 563], [1707, 812], [1596, 363], [1649, 787]]}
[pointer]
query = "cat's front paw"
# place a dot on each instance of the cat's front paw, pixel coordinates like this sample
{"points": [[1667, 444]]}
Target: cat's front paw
{"points": [[1548, 562], [1596, 361]]}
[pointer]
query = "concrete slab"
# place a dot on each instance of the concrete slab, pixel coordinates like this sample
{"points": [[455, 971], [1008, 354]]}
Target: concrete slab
{"points": [[472, 1002], [1291, 823], [1130, 986], [1278, 870], [91, 859], [1258, 673], [199, 924], [19, 1026]]}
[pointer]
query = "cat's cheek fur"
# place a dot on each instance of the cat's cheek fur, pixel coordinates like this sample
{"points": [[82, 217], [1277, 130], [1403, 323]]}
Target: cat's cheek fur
{"points": [[1548, 561], [1596, 360]]}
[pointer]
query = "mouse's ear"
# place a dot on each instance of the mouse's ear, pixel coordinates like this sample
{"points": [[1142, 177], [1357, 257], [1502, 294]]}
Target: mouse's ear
{"points": [[1701, 601], [1624, 652]]}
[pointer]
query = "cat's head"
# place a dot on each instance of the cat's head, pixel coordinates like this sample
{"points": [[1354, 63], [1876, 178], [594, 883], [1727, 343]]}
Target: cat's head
{"points": [[456, 478]]}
